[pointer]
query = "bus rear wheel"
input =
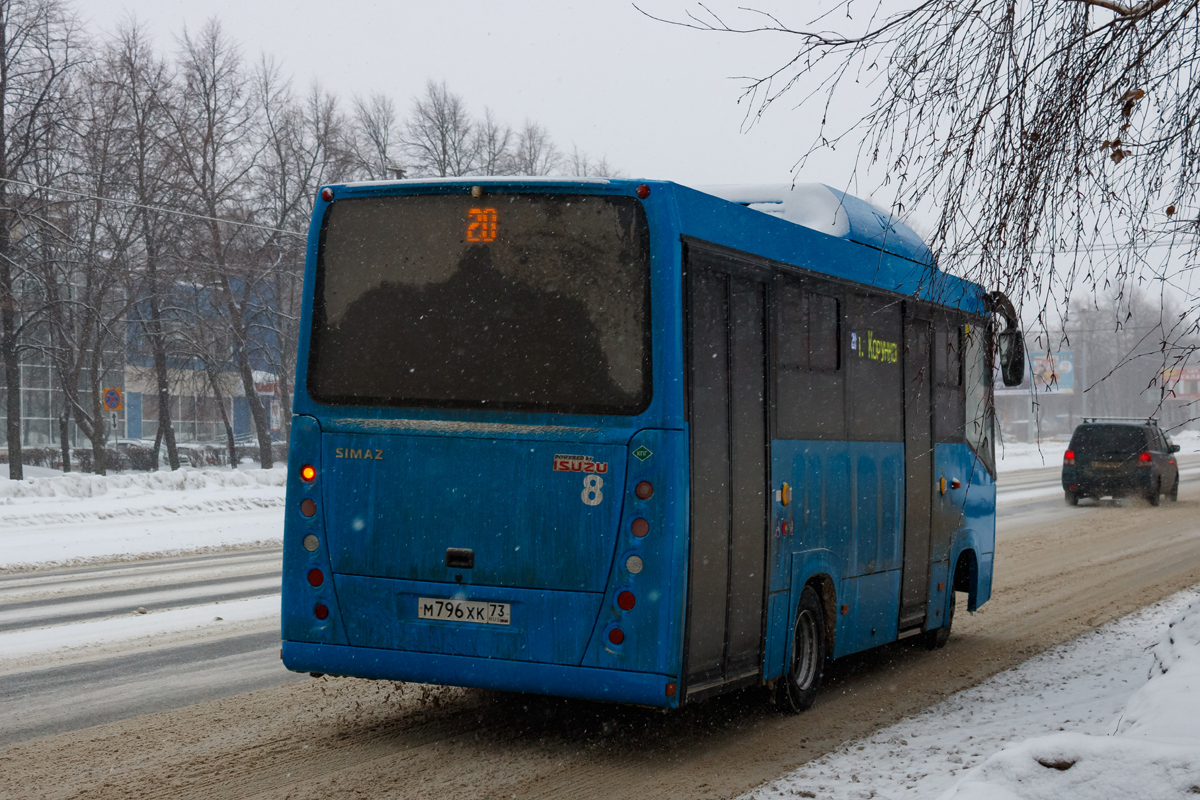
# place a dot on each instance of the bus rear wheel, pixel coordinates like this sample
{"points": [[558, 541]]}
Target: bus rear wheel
{"points": [[807, 663], [937, 638]]}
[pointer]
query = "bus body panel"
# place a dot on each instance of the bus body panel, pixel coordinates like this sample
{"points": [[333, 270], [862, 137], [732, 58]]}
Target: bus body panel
{"points": [[544, 624], [536, 514], [616, 686], [653, 629]]}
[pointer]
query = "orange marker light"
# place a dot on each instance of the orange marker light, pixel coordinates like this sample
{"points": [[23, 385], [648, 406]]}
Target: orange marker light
{"points": [[308, 473]]}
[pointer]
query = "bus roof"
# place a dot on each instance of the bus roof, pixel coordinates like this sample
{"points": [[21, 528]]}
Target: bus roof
{"points": [[811, 226]]}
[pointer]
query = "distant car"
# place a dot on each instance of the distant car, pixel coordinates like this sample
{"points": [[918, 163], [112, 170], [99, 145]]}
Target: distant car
{"points": [[1110, 458]]}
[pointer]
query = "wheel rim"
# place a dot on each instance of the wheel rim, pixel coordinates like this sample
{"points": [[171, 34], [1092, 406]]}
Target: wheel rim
{"points": [[804, 651]]}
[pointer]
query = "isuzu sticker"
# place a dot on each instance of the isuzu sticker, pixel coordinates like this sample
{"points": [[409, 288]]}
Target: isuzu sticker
{"points": [[579, 464]]}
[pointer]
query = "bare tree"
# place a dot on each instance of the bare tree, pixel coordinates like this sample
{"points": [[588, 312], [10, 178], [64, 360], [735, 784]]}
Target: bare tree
{"points": [[39, 49], [494, 145], [535, 153], [375, 141], [440, 136], [145, 83], [1053, 144], [299, 149], [580, 164], [214, 148]]}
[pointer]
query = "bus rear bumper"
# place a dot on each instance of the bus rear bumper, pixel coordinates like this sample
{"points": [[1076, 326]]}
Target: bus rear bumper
{"points": [[585, 683]]}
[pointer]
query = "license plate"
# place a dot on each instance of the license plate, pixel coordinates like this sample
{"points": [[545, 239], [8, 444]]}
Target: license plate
{"points": [[1105, 464], [481, 612]]}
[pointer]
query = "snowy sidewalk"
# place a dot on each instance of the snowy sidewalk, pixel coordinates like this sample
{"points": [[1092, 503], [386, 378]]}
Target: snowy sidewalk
{"points": [[76, 519], [1114, 713]]}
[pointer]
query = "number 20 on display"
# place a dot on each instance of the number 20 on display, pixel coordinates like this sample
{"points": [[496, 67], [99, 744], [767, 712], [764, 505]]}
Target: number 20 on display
{"points": [[481, 225]]}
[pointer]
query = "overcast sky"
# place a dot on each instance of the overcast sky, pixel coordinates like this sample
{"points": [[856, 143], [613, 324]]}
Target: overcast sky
{"points": [[658, 101]]}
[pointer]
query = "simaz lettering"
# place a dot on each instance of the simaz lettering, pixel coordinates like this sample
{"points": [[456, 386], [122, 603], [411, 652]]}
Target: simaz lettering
{"points": [[349, 452]]}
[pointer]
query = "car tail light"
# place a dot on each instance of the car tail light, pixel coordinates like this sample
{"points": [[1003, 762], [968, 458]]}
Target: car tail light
{"points": [[321, 611], [640, 527], [308, 507], [1069, 457], [308, 473], [616, 636], [316, 577], [644, 490], [671, 689], [642, 191], [626, 601], [1145, 457]]}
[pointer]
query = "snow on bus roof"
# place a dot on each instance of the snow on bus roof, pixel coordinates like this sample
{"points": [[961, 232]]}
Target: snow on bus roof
{"points": [[474, 179], [827, 210]]}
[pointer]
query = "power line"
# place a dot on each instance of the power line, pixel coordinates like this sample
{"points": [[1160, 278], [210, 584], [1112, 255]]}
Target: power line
{"points": [[162, 209]]}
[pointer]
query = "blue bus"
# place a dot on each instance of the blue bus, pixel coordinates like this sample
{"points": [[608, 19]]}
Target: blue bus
{"points": [[628, 440]]}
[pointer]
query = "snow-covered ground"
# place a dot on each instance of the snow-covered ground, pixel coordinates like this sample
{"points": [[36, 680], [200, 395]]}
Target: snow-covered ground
{"points": [[1049, 452], [1110, 714], [80, 518]]}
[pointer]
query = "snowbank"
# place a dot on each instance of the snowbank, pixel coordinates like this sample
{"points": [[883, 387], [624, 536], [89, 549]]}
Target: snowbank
{"points": [[1083, 686], [78, 519], [1030, 455], [1154, 752], [78, 484], [1049, 452]]}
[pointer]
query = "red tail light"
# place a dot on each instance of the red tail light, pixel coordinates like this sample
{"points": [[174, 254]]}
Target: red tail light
{"points": [[1145, 457], [1069, 457], [307, 473], [626, 601], [644, 490], [315, 577], [321, 611], [616, 636]]}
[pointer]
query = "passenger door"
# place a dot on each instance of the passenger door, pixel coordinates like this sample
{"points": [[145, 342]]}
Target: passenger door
{"points": [[918, 472], [727, 414]]}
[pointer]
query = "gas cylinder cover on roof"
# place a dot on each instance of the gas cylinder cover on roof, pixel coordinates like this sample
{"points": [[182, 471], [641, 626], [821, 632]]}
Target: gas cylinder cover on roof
{"points": [[827, 210]]}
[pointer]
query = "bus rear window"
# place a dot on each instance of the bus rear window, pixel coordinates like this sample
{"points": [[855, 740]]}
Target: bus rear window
{"points": [[536, 302]]}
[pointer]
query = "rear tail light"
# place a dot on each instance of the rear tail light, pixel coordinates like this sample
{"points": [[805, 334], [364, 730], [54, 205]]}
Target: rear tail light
{"points": [[1069, 457], [308, 507], [640, 527], [321, 611], [316, 577], [626, 601], [1146, 457], [644, 490], [308, 473], [616, 636]]}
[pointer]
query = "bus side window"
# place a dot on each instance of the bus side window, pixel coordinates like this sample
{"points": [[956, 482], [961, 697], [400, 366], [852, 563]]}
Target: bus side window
{"points": [[980, 415], [809, 401]]}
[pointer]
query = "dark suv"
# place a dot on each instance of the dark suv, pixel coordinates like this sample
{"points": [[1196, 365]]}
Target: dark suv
{"points": [[1120, 459]]}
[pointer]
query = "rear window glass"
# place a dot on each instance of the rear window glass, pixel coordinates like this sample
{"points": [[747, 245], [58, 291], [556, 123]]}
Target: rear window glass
{"points": [[536, 302], [1109, 438]]}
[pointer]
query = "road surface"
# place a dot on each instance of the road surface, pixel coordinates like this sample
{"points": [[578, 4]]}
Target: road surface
{"points": [[1060, 571]]}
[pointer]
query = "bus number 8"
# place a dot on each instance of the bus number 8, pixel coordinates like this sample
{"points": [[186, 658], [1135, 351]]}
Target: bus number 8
{"points": [[591, 494]]}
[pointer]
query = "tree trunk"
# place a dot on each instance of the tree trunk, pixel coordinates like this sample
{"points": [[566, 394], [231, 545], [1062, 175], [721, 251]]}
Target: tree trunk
{"points": [[237, 324], [158, 344], [229, 440], [8, 344], [158, 435], [64, 439]]}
